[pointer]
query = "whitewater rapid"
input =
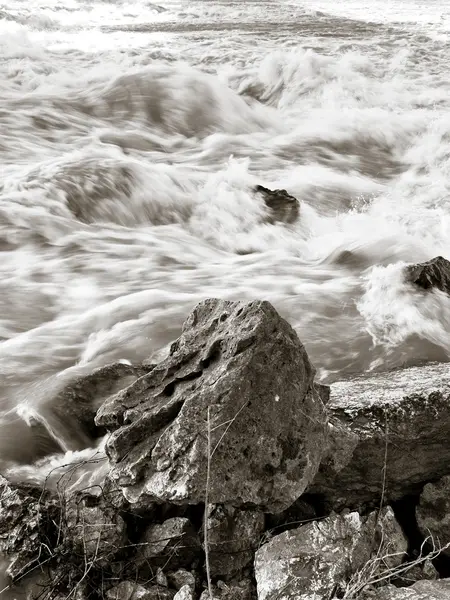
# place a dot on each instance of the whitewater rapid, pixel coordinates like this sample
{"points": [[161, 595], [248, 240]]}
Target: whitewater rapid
{"points": [[132, 136]]}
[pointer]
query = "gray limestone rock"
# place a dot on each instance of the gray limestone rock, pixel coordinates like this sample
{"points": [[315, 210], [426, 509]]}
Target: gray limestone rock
{"points": [[244, 367], [399, 419], [171, 544], [322, 558]]}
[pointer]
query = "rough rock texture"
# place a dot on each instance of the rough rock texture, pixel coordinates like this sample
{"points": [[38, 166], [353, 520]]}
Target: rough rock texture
{"points": [[422, 590], [128, 590], [171, 545], [233, 537], [283, 207], [26, 518], [185, 593], [238, 590], [432, 274], [321, 557], [400, 419], [96, 532], [180, 578], [244, 365], [433, 512]]}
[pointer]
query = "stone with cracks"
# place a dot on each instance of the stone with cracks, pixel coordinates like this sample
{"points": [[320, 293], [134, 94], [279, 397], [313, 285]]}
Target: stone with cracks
{"points": [[282, 206], [185, 593], [400, 419], [320, 559], [433, 513], [244, 366], [434, 273]]}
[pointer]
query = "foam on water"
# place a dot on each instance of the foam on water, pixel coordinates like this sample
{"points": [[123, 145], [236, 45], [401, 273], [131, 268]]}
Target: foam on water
{"points": [[132, 136]]}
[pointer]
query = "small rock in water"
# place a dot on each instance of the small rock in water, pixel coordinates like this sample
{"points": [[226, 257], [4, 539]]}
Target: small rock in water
{"points": [[283, 207], [432, 274]]}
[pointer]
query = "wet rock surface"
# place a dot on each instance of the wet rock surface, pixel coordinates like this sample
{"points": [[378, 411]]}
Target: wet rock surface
{"points": [[400, 419], [230, 435], [240, 370], [433, 274], [282, 206]]}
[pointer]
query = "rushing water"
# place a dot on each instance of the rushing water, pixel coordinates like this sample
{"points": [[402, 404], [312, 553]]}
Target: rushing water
{"points": [[132, 135]]}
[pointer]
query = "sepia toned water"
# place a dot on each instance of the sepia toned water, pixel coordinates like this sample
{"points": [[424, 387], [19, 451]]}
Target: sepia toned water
{"points": [[132, 135]]}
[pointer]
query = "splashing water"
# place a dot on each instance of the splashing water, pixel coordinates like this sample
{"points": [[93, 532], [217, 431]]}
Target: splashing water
{"points": [[132, 138]]}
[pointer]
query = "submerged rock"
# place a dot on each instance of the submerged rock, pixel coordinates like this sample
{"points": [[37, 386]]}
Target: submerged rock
{"points": [[400, 419], [434, 273], [242, 367], [433, 513], [283, 207], [320, 559]]}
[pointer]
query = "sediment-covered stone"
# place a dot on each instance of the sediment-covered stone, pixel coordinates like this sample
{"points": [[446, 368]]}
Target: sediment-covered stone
{"points": [[400, 419], [129, 590], [239, 371]]}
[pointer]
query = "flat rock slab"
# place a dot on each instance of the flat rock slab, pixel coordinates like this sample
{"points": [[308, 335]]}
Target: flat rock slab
{"points": [[401, 420], [240, 371]]}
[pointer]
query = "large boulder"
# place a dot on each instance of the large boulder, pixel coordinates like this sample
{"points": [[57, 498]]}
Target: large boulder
{"points": [[401, 420], [422, 590], [434, 273], [283, 208], [321, 559], [240, 372], [433, 513]]}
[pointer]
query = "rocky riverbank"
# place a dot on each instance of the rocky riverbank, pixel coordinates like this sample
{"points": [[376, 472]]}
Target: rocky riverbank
{"points": [[230, 472]]}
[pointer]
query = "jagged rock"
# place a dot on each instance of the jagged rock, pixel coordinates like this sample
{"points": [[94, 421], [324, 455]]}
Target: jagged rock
{"points": [[433, 512], [27, 526], [422, 590], [96, 531], [171, 545], [434, 273], [319, 559], [244, 366], [185, 593], [161, 577], [237, 590], [180, 578], [400, 419], [70, 414], [128, 590], [419, 571], [283, 207], [233, 536]]}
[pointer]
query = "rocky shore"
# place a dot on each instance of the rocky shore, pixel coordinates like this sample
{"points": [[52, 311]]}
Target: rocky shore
{"points": [[231, 474]]}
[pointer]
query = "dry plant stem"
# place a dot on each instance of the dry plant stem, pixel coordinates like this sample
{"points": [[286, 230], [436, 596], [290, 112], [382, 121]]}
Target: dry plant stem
{"points": [[205, 525]]}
